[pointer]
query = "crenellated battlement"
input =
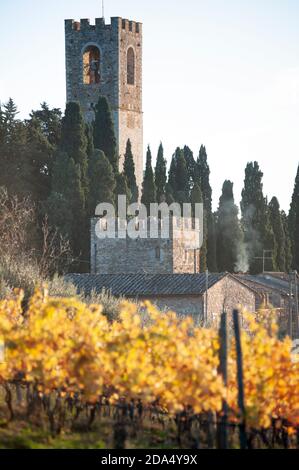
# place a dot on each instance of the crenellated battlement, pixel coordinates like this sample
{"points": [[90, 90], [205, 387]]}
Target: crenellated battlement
{"points": [[116, 22], [137, 246], [146, 226]]}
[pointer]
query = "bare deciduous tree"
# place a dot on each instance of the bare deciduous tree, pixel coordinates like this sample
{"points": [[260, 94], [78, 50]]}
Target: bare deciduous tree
{"points": [[56, 251]]}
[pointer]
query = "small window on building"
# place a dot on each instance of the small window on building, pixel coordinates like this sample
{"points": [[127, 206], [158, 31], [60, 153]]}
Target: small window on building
{"points": [[91, 65], [158, 252], [131, 66]]}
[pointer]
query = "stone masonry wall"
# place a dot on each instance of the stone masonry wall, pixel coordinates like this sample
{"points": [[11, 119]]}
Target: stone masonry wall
{"points": [[130, 97], [228, 294], [182, 305], [144, 255], [125, 100]]}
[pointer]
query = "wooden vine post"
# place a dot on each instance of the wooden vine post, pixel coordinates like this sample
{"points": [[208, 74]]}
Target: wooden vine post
{"points": [[222, 422], [240, 380]]}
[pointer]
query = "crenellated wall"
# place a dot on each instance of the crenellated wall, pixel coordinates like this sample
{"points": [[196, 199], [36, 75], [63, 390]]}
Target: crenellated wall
{"points": [[144, 254]]}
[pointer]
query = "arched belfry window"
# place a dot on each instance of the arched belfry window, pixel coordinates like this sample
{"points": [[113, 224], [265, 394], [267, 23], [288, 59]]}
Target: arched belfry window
{"points": [[131, 66], [91, 65]]}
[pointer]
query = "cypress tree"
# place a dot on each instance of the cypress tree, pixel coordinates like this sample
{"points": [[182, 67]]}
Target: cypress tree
{"points": [[202, 173], [74, 141], [288, 243], [181, 178], [65, 205], [202, 177], [40, 158], [160, 175], [191, 167], [75, 193], [255, 218], [58, 210], [212, 243], [101, 181], [89, 139], [129, 172], [229, 234], [2, 128], [294, 223], [196, 197], [103, 132], [169, 194], [148, 186], [279, 235], [122, 188], [171, 188], [73, 137]]}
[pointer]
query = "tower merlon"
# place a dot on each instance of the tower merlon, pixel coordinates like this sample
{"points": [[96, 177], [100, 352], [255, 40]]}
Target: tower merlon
{"points": [[69, 24], [116, 23], [100, 23], [131, 26], [85, 24]]}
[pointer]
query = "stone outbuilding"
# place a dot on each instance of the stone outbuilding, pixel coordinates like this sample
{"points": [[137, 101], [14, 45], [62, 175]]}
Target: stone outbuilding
{"points": [[197, 295]]}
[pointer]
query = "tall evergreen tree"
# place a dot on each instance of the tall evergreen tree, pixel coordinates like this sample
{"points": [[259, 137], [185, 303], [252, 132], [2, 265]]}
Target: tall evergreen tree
{"points": [[212, 242], [169, 195], [103, 132], [191, 167], [181, 178], [101, 181], [43, 139], [288, 244], [279, 236], [122, 188], [9, 116], [65, 205], [26, 155], [40, 159], [73, 136], [75, 193], [59, 212], [202, 177], [74, 141], [255, 218], [160, 175], [196, 197], [171, 186], [129, 172], [49, 121], [294, 223], [89, 139], [229, 234], [148, 186], [2, 128], [14, 166]]}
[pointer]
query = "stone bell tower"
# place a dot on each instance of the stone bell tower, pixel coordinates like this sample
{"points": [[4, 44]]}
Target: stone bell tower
{"points": [[106, 59]]}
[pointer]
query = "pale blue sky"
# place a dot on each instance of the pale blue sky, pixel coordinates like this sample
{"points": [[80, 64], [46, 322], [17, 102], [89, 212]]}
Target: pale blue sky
{"points": [[224, 73]]}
